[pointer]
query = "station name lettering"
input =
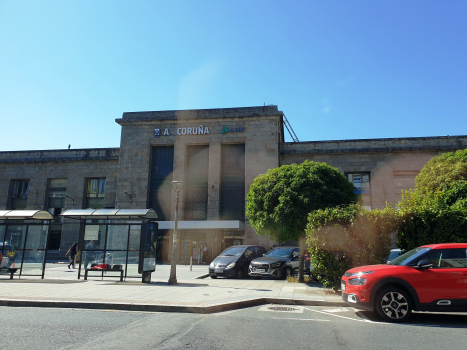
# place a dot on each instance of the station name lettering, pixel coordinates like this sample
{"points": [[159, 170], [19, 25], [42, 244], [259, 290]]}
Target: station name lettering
{"points": [[193, 131]]}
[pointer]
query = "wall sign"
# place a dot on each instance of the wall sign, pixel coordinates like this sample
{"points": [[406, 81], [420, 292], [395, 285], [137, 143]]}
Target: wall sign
{"points": [[226, 129], [197, 130]]}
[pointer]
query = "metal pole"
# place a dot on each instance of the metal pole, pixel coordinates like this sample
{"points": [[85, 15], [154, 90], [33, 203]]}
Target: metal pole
{"points": [[173, 262]]}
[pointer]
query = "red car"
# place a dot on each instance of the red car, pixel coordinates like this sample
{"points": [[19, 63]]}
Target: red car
{"points": [[428, 278]]}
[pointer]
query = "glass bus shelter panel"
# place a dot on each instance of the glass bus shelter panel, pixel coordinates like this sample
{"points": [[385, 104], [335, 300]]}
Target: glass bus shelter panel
{"points": [[37, 237], [2, 235], [133, 251], [33, 262], [117, 237], [15, 236], [35, 250], [95, 234]]}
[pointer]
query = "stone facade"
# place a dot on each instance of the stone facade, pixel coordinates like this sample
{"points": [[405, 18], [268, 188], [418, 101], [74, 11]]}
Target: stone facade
{"points": [[74, 165], [391, 164]]}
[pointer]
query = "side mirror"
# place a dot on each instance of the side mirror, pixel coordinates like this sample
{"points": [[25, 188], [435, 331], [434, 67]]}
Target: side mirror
{"points": [[423, 265]]}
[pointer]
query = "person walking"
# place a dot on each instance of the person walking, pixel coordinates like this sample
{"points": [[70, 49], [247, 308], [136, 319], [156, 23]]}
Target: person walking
{"points": [[205, 253], [72, 251], [88, 254]]}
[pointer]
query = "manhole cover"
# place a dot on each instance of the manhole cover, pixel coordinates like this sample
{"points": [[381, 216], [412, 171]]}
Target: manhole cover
{"points": [[282, 308]]}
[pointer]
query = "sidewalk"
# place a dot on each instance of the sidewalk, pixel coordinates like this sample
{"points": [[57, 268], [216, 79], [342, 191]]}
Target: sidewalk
{"points": [[193, 293]]}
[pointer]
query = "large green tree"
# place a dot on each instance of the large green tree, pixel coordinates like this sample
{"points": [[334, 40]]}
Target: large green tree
{"points": [[435, 211], [279, 201]]}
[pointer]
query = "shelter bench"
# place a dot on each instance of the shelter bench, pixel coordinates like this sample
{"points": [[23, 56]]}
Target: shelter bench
{"points": [[11, 270], [115, 268]]}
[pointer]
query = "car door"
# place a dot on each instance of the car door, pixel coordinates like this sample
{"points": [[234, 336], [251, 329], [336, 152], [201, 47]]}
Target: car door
{"points": [[249, 255], [295, 261], [446, 280]]}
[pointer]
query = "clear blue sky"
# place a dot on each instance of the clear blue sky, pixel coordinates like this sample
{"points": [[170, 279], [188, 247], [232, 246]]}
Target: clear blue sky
{"points": [[337, 69]]}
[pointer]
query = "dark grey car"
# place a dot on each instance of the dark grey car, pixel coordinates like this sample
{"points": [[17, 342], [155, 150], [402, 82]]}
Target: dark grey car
{"points": [[234, 261], [280, 262]]}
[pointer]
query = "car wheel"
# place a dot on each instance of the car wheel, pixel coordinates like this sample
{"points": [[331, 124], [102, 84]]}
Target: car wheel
{"points": [[287, 272], [214, 277], [394, 305], [239, 273]]}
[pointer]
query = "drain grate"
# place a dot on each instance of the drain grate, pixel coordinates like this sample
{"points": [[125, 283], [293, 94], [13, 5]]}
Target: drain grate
{"points": [[282, 308]]}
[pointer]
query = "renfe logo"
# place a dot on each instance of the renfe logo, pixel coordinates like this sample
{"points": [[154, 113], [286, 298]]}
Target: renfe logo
{"points": [[226, 130]]}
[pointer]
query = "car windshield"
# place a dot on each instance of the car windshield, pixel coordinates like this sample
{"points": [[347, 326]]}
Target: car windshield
{"points": [[280, 252], [409, 257], [233, 251], [394, 254]]}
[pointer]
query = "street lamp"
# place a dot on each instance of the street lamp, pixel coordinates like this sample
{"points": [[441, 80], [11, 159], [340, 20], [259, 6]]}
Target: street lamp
{"points": [[177, 186]]}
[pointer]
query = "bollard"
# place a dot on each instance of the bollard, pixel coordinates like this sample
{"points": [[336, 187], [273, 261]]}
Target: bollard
{"points": [[191, 263]]}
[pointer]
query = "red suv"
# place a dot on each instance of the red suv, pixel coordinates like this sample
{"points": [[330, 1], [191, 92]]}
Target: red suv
{"points": [[428, 278]]}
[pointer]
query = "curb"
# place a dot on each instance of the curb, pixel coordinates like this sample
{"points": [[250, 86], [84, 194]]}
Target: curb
{"points": [[203, 308]]}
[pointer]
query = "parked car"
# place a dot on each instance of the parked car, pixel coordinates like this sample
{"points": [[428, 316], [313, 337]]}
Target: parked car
{"points": [[393, 253], [428, 278], [234, 261], [279, 262]]}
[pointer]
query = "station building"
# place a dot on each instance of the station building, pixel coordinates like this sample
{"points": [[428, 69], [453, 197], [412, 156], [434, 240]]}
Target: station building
{"points": [[217, 153]]}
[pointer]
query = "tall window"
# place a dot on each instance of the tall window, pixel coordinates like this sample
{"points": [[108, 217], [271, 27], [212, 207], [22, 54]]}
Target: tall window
{"points": [[196, 183], [232, 191], [19, 194], [95, 193], [361, 181], [160, 194], [56, 205]]}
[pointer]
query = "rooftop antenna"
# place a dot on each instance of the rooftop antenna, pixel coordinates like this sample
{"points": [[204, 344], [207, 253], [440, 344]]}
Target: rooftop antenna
{"points": [[290, 130]]}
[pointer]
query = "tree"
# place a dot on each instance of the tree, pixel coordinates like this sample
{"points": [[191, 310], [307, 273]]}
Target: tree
{"points": [[435, 211], [344, 237], [279, 201]]}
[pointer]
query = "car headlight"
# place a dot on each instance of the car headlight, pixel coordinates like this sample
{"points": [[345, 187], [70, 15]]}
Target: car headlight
{"points": [[231, 265], [360, 273], [211, 265], [357, 281], [275, 264]]}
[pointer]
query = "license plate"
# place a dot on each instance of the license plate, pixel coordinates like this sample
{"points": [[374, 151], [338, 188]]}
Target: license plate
{"points": [[343, 286], [260, 270], [218, 271]]}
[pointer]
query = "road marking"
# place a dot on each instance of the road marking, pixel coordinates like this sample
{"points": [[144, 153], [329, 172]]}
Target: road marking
{"points": [[342, 309], [299, 319], [347, 318]]}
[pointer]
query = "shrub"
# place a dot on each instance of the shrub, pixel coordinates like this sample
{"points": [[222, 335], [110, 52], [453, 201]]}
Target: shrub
{"points": [[344, 237]]}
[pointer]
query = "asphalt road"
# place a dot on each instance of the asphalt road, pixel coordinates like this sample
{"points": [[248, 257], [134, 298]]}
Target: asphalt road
{"points": [[262, 327]]}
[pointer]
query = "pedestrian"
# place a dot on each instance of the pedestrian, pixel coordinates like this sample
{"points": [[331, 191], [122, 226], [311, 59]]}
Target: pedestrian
{"points": [[72, 251], [205, 253], [88, 254]]}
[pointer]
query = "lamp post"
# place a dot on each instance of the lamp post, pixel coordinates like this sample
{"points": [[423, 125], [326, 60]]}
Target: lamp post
{"points": [[177, 186]]}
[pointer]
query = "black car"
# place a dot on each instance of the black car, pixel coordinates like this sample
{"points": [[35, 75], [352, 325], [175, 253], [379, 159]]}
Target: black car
{"points": [[234, 261], [279, 262]]}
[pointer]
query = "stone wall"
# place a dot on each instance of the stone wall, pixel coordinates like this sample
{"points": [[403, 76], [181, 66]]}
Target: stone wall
{"points": [[259, 128], [392, 163], [76, 165]]}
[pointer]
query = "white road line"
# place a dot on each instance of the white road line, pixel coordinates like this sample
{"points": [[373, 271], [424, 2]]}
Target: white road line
{"points": [[299, 319], [347, 318]]}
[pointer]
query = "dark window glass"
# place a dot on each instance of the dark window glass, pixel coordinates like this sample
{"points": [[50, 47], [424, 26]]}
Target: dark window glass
{"points": [[196, 187], [232, 190], [19, 194], [95, 193], [361, 181], [160, 193]]}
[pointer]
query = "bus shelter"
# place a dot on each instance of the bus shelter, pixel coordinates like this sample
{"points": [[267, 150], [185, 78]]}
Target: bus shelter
{"points": [[123, 238], [23, 240]]}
